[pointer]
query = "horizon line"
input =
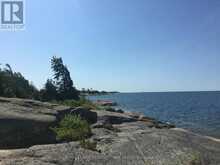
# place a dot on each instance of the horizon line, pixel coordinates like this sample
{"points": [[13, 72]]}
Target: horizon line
{"points": [[173, 91]]}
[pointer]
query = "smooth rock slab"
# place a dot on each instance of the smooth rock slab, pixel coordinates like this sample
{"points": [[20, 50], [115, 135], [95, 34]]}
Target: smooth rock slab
{"points": [[136, 144], [27, 122]]}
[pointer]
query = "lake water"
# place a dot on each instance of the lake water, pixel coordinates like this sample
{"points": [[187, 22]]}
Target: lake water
{"points": [[195, 111]]}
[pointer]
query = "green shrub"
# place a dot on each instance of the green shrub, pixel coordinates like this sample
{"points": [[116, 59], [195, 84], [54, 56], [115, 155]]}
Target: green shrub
{"points": [[195, 159], [80, 103], [86, 144], [72, 128]]}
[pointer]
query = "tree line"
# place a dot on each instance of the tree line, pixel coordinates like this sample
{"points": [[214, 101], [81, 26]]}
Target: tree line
{"points": [[91, 91], [60, 87]]}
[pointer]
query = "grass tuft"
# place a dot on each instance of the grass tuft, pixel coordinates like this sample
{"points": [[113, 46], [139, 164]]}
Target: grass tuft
{"points": [[195, 160]]}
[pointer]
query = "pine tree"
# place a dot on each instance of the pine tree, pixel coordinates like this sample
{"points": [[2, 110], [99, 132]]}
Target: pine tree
{"points": [[13, 84], [49, 92], [63, 81]]}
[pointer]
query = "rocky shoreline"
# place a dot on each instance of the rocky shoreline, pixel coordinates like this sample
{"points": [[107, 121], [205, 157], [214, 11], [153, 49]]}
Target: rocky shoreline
{"points": [[123, 138]]}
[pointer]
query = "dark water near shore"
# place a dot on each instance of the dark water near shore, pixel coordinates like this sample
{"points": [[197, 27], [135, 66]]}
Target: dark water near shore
{"points": [[195, 111]]}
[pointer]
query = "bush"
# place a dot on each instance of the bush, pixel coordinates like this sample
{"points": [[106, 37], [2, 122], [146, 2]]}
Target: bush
{"points": [[86, 144], [72, 128], [195, 159], [80, 103]]}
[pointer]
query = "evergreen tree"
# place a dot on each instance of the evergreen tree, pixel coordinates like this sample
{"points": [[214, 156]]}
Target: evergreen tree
{"points": [[49, 92], [13, 84], [63, 81]]}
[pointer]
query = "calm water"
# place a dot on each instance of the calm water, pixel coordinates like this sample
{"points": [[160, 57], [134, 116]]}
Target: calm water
{"points": [[195, 111]]}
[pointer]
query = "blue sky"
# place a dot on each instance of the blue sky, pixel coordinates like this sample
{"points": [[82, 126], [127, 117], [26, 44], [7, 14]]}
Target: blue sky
{"points": [[123, 45]]}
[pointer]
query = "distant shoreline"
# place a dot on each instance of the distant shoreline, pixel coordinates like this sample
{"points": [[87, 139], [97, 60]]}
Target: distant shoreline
{"points": [[98, 93]]}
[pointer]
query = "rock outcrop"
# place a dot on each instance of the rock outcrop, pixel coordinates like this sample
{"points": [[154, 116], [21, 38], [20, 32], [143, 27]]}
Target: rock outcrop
{"points": [[86, 114], [26, 122], [135, 144], [106, 103], [122, 139], [111, 109]]}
